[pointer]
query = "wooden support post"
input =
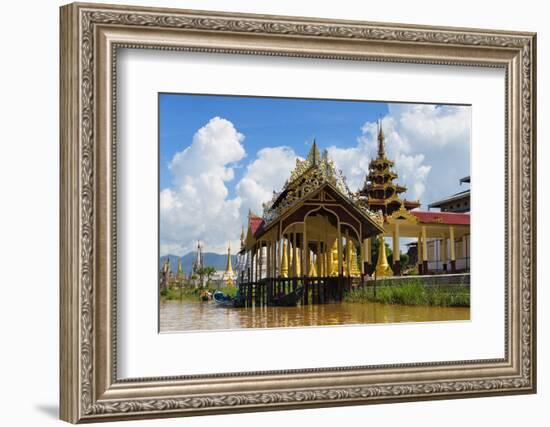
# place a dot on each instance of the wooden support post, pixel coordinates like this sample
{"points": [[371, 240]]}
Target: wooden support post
{"points": [[419, 253], [257, 262], [320, 261], [279, 256], [294, 265], [424, 251], [348, 258], [464, 250], [261, 260], [306, 291], [305, 253], [268, 259], [252, 274], [253, 264], [468, 246], [273, 252], [367, 244], [362, 258], [340, 254], [289, 259], [444, 253], [396, 252], [452, 243]]}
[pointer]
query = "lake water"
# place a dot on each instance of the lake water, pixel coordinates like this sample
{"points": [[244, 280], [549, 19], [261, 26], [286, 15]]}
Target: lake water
{"points": [[193, 316]]}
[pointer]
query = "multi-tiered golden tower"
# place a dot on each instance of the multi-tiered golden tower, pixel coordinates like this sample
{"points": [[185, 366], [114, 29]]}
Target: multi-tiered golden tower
{"points": [[380, 192]]}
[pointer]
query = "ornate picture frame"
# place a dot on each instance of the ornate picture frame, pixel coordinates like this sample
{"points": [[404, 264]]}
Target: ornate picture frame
{"points": [[90, 37]]}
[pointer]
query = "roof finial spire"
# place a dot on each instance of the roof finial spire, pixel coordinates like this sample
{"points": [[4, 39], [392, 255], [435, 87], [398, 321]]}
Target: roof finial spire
{"points": [[314, 156], [381, 138]]}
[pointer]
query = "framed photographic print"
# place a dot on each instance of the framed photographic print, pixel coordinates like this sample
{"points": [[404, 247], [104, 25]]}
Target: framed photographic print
{"points": [[265, 212]]}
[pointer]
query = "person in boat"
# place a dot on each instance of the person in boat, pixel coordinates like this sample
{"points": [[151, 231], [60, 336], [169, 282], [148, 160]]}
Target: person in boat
{"points": [[205, 295]]}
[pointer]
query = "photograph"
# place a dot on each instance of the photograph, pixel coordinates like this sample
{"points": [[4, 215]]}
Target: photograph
{"points": [[289, 212]]}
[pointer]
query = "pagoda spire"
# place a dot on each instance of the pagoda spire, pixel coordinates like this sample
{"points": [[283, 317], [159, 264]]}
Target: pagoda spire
{"points": [[228, 276], [229, 267], [199, 255], [242, 237], [381, 140], [179, 274]]}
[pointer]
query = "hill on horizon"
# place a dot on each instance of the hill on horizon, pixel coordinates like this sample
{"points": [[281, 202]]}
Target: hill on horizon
{"points": [[218, 261]]}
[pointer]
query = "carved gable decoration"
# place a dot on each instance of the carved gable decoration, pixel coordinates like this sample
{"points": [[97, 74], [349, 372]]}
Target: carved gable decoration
{"points": [[308, 176], [317, 180], [402, 214]]}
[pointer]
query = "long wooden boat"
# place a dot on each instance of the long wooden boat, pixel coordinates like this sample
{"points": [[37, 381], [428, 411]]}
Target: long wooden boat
{"points": [[224, 300], [288, 300]]}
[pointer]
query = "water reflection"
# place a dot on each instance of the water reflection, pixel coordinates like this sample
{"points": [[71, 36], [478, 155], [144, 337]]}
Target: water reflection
{"points": [[191, 316]]}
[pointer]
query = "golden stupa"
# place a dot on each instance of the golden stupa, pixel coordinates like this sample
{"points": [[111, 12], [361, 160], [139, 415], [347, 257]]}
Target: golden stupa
{"points": [[228, 275], [351, 260], [383, 269]]}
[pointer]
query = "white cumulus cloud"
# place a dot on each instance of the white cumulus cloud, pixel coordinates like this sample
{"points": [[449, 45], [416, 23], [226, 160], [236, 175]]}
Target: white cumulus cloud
{"points": [[196, 206], [423, 140], [267, 173]]}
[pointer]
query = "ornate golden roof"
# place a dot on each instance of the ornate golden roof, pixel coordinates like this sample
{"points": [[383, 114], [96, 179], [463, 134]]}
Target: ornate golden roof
{"points": [[309, 175]]}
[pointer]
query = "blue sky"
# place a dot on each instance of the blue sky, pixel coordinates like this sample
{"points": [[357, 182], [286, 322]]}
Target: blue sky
{"points": [[266, 122], [223, 155]]}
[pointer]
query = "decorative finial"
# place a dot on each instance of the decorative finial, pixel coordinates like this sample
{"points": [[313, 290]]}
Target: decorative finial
{"points": [[381, 138], [314, 156]]}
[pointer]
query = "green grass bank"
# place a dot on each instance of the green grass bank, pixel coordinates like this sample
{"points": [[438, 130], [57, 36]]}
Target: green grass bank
{"points": [[413, 293]]}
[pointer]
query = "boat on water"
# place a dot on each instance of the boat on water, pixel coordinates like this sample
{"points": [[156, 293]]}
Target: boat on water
{"points": [[224, 300], [288, 300], [283, 300], [205, 295]]}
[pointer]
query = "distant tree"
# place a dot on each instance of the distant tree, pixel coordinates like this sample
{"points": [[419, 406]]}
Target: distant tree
{"points": [[207, 272]]}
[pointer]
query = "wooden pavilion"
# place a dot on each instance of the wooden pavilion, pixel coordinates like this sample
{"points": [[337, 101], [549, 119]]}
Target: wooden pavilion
{"points": [[311, 234]]}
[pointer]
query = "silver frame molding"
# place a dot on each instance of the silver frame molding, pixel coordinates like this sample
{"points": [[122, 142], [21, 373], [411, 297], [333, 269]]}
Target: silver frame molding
{"points": [[90, 37]]}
